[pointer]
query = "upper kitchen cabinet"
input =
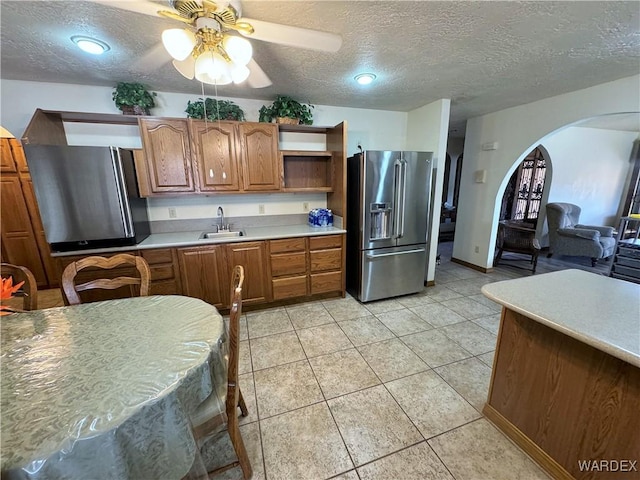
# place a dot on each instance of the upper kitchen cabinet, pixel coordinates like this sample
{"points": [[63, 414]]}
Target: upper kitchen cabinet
{"points": [[258, 144], [213, 145], [167, 155]]}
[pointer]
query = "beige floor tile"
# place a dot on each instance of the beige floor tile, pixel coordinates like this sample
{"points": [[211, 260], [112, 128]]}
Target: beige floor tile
{"points": [[478, 451], [468, 287], [490, 323], [323, 339], [464, 272], [496, 307], [392, 359], [437, 315], [351, 475], [403, 322], [285, 387], [309, 315], [244, 359], [471, 337], [275, 350], [431, 404], [435, 348], [487, 358], [410, 301], [268, 322], [382, 306], [345, 309], [416, 462], [467, 308], [249, 394], [304, 444], [440, 293], [470, 378], [365, 330], [218, 451], [342, 372], [372, 424], [442, 277]]}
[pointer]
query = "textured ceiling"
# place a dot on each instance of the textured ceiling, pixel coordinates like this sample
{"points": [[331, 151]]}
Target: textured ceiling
{"points": [[485, 56]]}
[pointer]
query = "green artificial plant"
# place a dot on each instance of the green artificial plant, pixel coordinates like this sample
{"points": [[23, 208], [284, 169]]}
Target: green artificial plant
{"points": [[215, 110], [284, 106], [133, 96]]}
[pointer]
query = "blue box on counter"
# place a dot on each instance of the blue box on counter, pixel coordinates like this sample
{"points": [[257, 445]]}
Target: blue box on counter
{"points": [[320, 217]]}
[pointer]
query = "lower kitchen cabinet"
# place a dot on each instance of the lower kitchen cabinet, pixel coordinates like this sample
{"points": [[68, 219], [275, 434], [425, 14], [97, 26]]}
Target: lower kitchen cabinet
{"points": [[253, 257], [165, 271], [326, 261], [204, 274]]}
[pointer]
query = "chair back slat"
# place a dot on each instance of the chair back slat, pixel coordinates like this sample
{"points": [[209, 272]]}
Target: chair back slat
{"points": [[30, 287], [237, 279], [71, 289]]}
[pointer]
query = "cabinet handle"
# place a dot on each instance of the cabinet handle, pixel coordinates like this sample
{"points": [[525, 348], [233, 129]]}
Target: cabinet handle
{"points": [[224, 175], [211, 172]]}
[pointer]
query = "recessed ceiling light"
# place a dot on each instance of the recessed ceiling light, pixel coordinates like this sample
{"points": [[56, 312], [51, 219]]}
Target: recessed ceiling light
{"points": [[90, 45], [365, 78]]}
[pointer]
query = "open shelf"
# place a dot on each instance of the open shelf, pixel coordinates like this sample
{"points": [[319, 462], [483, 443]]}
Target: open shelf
{"points": [[307, 171]]}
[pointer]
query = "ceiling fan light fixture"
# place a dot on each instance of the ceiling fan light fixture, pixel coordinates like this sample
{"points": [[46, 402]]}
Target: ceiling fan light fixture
{"points": [[90, 45], [239, 49], [365, 78], [179, 42], [185, 67], [211, 68], [239, 73]]}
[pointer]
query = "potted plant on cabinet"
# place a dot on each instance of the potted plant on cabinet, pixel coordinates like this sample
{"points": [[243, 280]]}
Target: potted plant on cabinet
{"points": [[215, 110], [133, 98], [285, 109]]}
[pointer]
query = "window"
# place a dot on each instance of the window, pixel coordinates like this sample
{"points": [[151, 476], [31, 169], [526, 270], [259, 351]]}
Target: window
{"points": [[523, 195]]}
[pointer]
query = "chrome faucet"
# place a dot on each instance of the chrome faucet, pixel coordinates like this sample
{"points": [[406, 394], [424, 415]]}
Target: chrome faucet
{"points": [[221, 215]]}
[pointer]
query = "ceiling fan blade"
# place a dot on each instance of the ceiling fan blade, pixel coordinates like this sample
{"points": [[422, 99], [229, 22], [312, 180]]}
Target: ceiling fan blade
{"points": [[138, 6], [257, 78], [293, 36]]}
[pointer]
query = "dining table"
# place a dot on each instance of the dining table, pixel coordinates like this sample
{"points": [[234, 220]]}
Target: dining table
{"points": [[107, 389]]}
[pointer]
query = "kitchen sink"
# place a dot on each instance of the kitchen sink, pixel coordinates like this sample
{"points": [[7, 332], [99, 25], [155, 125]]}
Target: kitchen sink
{"points": [[221, 234]]}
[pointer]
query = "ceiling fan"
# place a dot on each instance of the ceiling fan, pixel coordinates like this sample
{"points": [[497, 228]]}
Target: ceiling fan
{"points": [[213, 48]]}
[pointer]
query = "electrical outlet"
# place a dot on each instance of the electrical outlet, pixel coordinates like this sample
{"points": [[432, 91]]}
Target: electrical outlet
{"points": [[172, 212], [477, 249], [305, 206], [261, 209]]}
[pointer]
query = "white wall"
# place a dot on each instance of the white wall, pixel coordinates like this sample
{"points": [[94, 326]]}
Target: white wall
{"points": [[590, 168], [374, 129], [427, 131], [517, 130]]}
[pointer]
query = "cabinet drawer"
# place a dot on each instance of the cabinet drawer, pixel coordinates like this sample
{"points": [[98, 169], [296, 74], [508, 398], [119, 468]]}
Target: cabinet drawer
{"points": [[325, 241], [629, 252], [164, 287], [326, 282], [287, 245], [289, 287], [162, 272], [288, 264], [153, 257], [322, 260]]}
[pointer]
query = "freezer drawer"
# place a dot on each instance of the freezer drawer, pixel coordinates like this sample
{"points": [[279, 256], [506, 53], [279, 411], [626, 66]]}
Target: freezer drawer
{"points": [[389, 272]]}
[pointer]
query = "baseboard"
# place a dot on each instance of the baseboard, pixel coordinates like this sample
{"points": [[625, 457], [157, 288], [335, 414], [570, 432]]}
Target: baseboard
{"points": [[541, 457], [472, 266]]}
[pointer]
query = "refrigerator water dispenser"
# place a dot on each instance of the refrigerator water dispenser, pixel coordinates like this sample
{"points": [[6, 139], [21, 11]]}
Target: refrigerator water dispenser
{"points": [[380, 221]]}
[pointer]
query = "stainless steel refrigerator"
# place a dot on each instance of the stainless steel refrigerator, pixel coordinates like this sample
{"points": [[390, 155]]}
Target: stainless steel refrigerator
{"points": [[388, 196], [88, 196]]}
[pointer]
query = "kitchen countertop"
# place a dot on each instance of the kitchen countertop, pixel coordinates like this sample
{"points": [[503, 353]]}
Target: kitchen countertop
{"points": [[192, 238], [599, 311]]}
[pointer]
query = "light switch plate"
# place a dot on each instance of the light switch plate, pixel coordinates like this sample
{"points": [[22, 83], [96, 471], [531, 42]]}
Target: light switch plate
{"points": [[480, 176]]}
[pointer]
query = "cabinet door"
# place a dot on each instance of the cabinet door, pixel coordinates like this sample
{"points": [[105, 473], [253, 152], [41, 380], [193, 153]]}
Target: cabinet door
{"points": [[213, 146], [204, 274], [6, 158], [252, 256], [19, 244], [167, 155], [259, 156]]}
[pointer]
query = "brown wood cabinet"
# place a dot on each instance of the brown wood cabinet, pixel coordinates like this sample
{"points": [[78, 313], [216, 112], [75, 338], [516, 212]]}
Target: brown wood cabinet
{"points": [[167, 155], [258, 148], [326, 264], [165, 271], [253, 257], [204, 274], [22, 234], [213, 145]]}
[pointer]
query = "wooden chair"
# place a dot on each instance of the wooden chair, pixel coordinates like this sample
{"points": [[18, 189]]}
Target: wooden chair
{"points": [[30, 287], [208, 420], [71, 290], [517, 238]]}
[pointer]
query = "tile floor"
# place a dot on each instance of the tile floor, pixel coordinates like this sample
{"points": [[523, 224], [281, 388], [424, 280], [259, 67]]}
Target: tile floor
{"points": [[386, 390]]}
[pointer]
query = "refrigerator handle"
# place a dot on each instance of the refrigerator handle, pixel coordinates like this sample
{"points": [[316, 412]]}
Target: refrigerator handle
{"points": [[393, 254], [121, 190], [397, 179], [404, 198]]}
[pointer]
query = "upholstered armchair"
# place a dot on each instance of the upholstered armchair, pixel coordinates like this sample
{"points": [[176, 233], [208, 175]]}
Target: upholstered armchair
{"points": [[568, 237]]}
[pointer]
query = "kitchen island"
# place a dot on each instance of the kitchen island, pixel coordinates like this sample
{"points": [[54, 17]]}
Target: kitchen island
{"points": [[565, 384]]}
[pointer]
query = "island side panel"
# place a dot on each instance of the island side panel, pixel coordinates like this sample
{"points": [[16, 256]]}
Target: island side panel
{"points": [[565, 399]]}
